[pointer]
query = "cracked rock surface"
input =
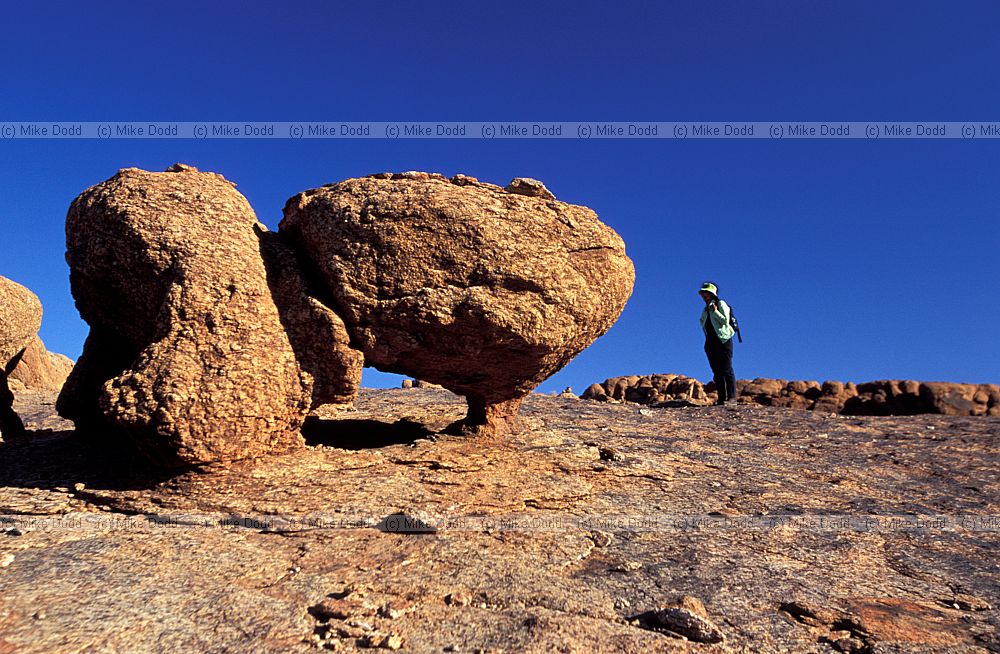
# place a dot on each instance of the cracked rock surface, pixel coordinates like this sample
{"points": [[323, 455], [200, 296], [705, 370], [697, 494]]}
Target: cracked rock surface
{"points": [[386, 532], [483, 290]]}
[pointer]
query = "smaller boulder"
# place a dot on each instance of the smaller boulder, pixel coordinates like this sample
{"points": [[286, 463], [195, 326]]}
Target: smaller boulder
{"points": [[529, 187], [20, 318], [40, 369]]}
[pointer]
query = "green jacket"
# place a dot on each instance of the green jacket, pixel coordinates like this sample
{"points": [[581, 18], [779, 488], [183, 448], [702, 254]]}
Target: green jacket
{"points": [[720, 320]]}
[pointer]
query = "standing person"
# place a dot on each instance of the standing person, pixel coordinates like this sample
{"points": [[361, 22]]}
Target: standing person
{"points": [[718, 342]]}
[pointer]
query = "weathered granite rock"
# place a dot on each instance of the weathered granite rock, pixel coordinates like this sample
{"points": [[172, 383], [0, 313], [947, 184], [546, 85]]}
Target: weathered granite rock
{"points": [[484, 291], [188, 355], [529, 187], [648, 389], [777, 530], [20, 318], [908, 397], [880, 398], [40, 369], [317, 334]]}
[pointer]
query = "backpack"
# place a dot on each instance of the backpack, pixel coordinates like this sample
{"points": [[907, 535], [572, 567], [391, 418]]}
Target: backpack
{"points": [[733, 323]]}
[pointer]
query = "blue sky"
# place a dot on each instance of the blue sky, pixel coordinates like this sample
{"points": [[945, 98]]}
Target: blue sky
{"points": [[847, 260]]}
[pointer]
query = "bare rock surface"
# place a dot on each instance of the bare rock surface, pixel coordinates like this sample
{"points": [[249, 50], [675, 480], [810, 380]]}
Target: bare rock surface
{"points": [[385, 531], [482, 290], [20, 318], [879, 398], [187, 355], [40, 369]]}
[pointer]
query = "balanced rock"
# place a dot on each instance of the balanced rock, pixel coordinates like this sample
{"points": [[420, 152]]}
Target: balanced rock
{"points": [[482, 290], [188, 355], [20, 318]]}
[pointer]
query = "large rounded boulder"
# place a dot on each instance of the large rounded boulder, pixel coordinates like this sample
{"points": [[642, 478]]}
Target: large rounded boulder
{"points": [[20, 318], [484, 290], [188, 354]]}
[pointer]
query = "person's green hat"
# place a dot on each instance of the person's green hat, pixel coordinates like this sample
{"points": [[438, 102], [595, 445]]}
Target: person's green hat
{"points": [[710, 288]]}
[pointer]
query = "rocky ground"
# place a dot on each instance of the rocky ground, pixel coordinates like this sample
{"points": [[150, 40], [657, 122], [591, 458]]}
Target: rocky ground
{"points": [[599, 528]]}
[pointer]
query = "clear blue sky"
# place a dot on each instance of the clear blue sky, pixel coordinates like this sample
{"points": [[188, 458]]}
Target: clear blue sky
{"points": [[849, 260]]}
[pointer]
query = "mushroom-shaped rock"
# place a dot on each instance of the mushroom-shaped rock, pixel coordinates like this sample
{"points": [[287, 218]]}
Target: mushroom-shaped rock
{"points": [[188, 355], [482, 290], [20, 318]]}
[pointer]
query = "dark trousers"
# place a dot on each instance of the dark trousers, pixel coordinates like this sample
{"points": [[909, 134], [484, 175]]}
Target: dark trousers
{"points": [[720, 357]]}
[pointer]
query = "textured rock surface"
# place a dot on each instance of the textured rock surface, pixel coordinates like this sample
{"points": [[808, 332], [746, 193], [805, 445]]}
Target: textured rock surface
{"points": [[649, 389], [20, 318], [879, 398], [482, 290], [560, 548], [317, 334], [187, 353], [40, 369]]}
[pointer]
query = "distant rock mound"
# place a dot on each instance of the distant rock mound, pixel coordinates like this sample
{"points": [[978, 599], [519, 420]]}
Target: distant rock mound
{"points": [[648, 389], [882, 397], [419, 383], [483, 290], [20, 318], [188, 354], [40, 369]]}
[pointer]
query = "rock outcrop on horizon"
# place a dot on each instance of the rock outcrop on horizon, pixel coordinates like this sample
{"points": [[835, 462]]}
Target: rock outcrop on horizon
{"points": [[647, 389], [188, 355], [20, 318], [484, 290], [882, 397], [40, 369]]}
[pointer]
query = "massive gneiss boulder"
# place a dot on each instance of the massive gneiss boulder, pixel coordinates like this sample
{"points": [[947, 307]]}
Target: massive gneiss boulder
{"points": [[188, 355], [20, 318], [484, 290]]}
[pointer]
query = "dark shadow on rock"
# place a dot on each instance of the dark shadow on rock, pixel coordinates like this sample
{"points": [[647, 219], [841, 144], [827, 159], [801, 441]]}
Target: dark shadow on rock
{"points": [[680, 621], [48, 459], [106, 355], [401, 523], [676, 404], [362, 434]]}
